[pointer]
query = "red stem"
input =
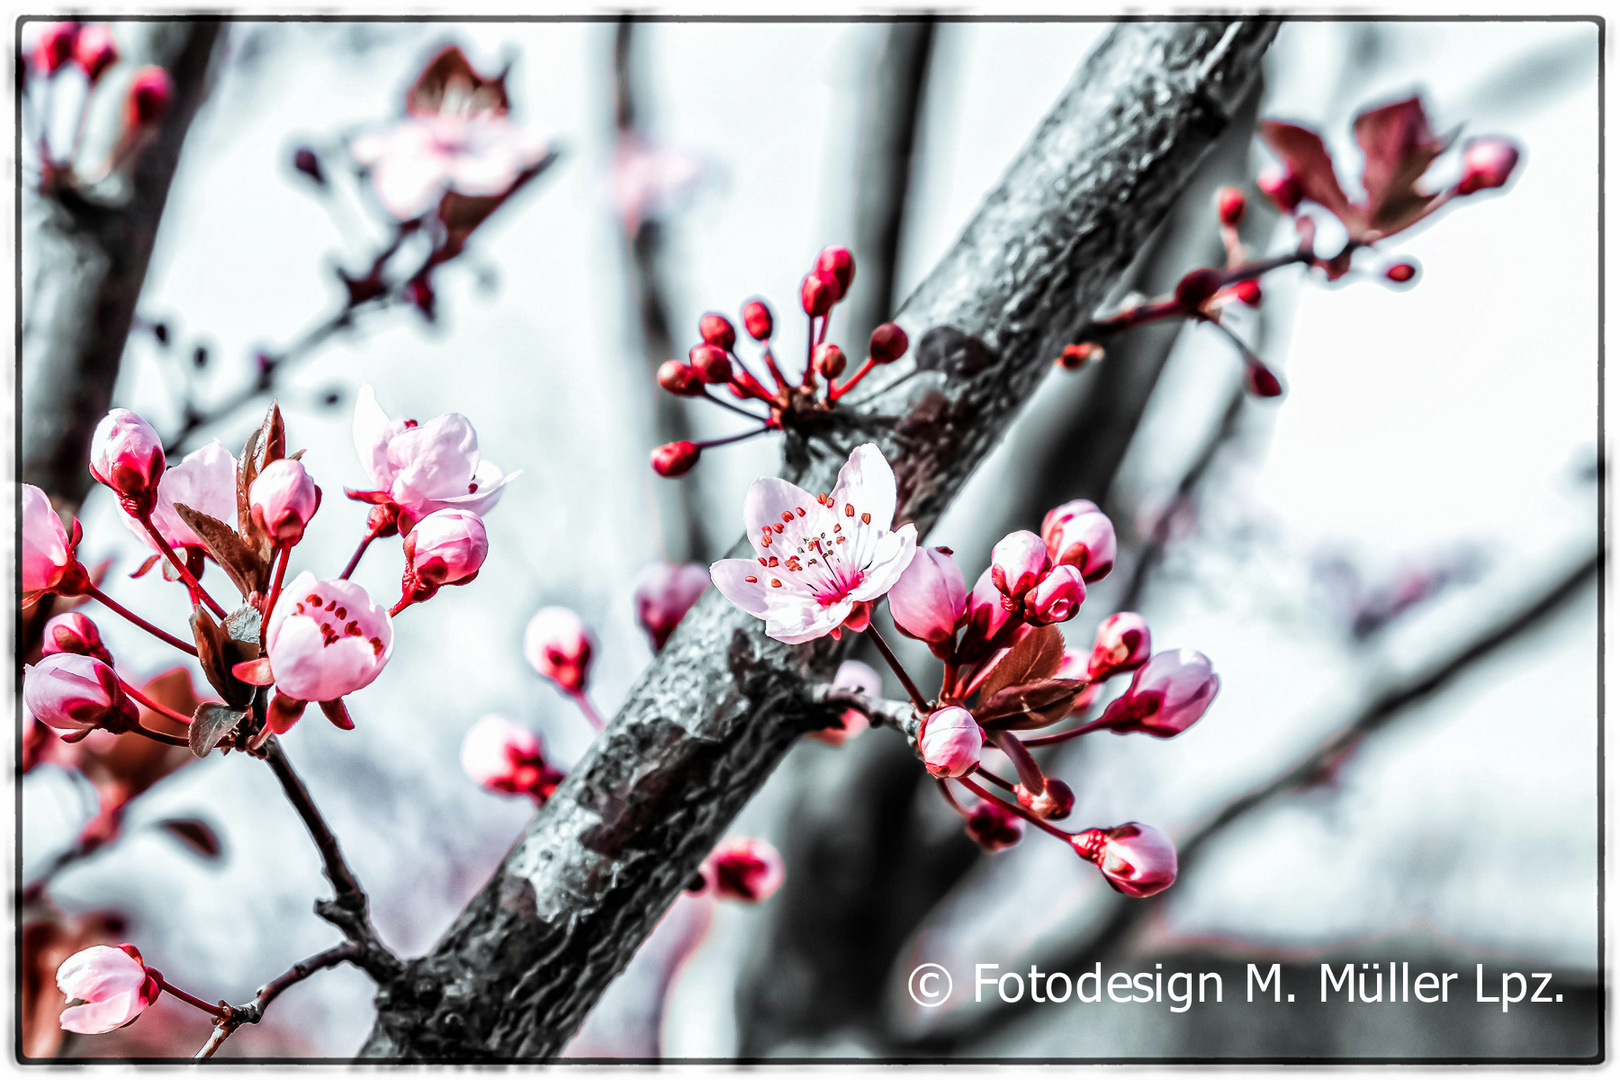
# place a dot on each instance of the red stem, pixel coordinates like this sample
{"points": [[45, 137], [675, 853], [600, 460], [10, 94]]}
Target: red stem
{"points": [[354, 560], [113, 605], [1065, 736], [197, 591], [590, 712], [162, 710], [1033, 819], [221, 1011], [915, 694], [835, 392]]}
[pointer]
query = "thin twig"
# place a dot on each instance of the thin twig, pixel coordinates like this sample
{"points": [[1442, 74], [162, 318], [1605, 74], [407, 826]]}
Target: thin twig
{"points": [[253, 1011]]}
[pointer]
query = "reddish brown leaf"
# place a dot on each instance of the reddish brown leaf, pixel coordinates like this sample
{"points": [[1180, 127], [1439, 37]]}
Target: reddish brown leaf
{"points": [[211, 724], [450, 79], [275, 436], [1027, 705], [1399, 148], [246, 569], [1307, 158], [1036, 656]]}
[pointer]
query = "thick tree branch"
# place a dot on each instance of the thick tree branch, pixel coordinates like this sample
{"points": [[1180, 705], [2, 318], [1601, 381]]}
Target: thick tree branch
{"points": [[712, 716], [92, 265], [1390, 705]]}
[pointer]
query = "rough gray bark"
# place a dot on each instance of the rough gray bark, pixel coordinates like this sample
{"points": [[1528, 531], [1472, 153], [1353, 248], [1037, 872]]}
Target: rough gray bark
{"points": [[92, 265], [712, 716]]}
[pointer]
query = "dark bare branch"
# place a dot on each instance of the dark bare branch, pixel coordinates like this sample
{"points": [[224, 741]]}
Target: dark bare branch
{"points": [[709, 720]]}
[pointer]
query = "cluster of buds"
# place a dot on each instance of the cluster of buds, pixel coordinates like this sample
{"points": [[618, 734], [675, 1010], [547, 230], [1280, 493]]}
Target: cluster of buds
{"points": [[788, 402], [1399, 147], [88, 51], [823, 562], [313, 640]]}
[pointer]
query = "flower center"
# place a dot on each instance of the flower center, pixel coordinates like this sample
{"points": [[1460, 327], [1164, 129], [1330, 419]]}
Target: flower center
{"points": [[333, 619]]}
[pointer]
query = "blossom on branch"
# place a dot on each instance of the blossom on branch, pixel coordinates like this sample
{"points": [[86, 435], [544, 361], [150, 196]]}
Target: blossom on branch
{"points": [[507, 758], [73, 692], [205, 480], [821, 560], [324, 639], [47, 550], [743, 869], [1167, 695], [664, 594], [106, 988], [558, 647]]}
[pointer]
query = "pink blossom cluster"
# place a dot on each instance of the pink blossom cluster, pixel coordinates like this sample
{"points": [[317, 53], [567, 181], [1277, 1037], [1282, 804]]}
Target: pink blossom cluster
{"points": [[821, 564]]}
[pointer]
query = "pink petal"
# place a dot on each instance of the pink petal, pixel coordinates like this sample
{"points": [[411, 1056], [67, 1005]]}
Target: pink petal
{"points": [[731, 578], [867, 483]]}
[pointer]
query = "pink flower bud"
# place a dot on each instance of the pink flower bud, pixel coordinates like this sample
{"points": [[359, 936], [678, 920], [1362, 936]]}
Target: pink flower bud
{"points": [[757, 318], [829, 361], [840, 264], [674, 459], [1487, 163], [994, 827], [70, 691], [283, 498], [1401, 273], [73, 632], [1057, 598], [1138, 860], [105, 988], [150, 93], [889, 343], [509, 759], [95, 50], [446, 548], [1167, 695], [1281, 188], [1123, 643], [1075, 357], [1230, 203], [717, 330], [930, 598], [558, 646], [680, 378], [1053, 803], [818, 293], [48, 560], [743, 869], [1247, 292], [1261, 381], [1017, 562], [664, 594], [852, 675], [55, 46], [127, 456], [1078, 534], [950, 742], [1195, 289], [711, 363], [986, 614], [326, 639]]}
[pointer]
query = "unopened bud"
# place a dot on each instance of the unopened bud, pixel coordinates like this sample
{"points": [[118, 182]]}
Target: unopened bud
{"points": [[1487, 163], [73, 632], [674, 459], [445, 548], [69, 691], [1017, 562], [717, 330], [558, 647], [664, 594], [1137, 860], [818, 293], [839, 264], [930, 597], [1247, 292], [1401, 273], [889, 343], [829, 361], [282, 499], [127, 456], [950, 742], [757, 319], [1167, 695], [1056, 598], [150, 94], [1054, 802], [55, 46], [994, 827], [1079, 534], [306, 162], [1281, 188], [742, 869], [95, 51], [680, 378], [1123, 643], [1230, 203], [1261, 381], [1078, 356], [711, 362]]}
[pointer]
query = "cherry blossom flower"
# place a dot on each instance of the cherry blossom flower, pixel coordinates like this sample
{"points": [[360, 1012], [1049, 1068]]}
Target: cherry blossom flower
{"points": [[558, 647], [1080, 535], [821, 560], [419, 468], [664, 594], [326, 639], [1137, 860], [743, 869], [507, 758], [74, 692], [73, 632], [1167, 695], [282, 499], [950, 742], [648, 181], [852, 675], [414, 162], [1123, 643], [47, 550], [930, 597], [127, 456], [205, 480], [106, 988]]}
